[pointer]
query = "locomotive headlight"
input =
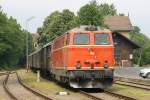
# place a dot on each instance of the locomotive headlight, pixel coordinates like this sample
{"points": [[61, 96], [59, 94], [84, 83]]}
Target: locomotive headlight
{"points": [[106, 65], [78, 65]]}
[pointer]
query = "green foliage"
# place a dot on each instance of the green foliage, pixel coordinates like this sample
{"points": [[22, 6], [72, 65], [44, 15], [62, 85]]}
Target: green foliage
{"points": [[93, 14], [12, 41], [22, 57], [59, 22], [144, 42], [107, 10], [56, 24], [90, 15]]}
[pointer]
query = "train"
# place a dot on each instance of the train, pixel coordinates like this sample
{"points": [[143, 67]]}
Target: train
{"points": [[83, 57]]}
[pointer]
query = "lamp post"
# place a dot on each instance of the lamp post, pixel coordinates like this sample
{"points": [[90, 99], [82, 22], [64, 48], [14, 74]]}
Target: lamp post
{"points": [[27, 23]]}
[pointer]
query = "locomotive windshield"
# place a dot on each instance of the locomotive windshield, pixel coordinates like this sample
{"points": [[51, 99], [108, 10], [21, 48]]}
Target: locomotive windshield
{"points": [[101, 39], [81, 39]]}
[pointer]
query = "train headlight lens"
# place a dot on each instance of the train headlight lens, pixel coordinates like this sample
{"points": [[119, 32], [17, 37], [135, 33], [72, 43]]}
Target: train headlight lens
{"points": [[78, 65], [106, 65]]}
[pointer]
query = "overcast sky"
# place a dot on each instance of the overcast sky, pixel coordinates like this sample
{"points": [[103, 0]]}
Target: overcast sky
{"points": [[24, 9]]}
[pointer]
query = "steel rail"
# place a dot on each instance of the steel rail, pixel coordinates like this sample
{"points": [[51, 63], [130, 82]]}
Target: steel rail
{"points": [[119, 95], [90, 96], [131, 85], [6, 88], [24, 85], [122, 97], [32, 90]]}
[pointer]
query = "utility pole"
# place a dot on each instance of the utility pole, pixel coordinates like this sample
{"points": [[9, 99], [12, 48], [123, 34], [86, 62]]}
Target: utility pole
{"points": [[27, 22]]}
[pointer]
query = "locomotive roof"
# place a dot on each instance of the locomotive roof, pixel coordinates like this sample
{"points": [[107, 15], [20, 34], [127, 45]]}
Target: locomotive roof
{"points": [[85, 28]]}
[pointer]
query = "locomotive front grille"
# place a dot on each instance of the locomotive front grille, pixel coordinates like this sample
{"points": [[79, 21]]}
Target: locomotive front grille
{"points": [[88, 74]]}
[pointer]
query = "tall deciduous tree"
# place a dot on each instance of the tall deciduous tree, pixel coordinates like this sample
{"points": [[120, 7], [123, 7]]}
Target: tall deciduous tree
{"points": [[141, 56], [59, 22], [107, 10], [12, 40], [90, 15], [93, 13], [56, 24]]}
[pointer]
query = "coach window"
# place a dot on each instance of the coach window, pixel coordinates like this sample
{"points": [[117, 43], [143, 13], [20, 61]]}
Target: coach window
{"points": [[81, 39], [101, 39]]}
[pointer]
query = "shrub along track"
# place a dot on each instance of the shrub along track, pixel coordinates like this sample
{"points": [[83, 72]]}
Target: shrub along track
{"points": [[19, 91]]}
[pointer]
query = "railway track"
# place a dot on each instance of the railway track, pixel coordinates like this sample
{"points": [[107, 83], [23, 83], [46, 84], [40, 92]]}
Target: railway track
{"points": [[105, 95], [25, 91], [5, 73], [134, 84]]}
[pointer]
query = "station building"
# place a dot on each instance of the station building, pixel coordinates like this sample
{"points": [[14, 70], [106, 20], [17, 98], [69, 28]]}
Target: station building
{"points": [[121, 27]]}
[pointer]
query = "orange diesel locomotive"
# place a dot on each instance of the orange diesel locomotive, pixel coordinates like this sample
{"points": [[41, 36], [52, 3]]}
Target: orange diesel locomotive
{"points": [[82, 58]]}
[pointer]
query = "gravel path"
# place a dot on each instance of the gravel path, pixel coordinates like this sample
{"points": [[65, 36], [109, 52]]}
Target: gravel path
{"points": [[3, 94], [19, 91]]}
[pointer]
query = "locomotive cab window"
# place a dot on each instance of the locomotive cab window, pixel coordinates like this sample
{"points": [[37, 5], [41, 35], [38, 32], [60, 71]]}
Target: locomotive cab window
{"points": [[81, 39], [101, 39]]}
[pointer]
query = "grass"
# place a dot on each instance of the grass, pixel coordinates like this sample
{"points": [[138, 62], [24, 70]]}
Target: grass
{"points": [[138, 94], [45, 85], [49, 87]]}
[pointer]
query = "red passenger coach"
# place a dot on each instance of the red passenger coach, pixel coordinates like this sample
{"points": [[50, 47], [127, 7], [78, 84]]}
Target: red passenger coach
{"points": [[83, 58]]}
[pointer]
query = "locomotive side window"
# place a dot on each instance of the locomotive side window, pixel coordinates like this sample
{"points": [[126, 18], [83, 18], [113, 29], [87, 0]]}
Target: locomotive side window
{"points": [[101, 39], [81, 39], [68, 39]]}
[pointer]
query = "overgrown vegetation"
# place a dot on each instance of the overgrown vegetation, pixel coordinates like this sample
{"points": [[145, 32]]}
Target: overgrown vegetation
{"points": [[12, 42]]}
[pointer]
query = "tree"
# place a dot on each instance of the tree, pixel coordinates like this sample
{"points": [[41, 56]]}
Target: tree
{"points": [[141, 56], [55, 24], [93, 13], [90, 15], [9, 34], [107, 10], [22, 57], [11, 41], [59, 22]]}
